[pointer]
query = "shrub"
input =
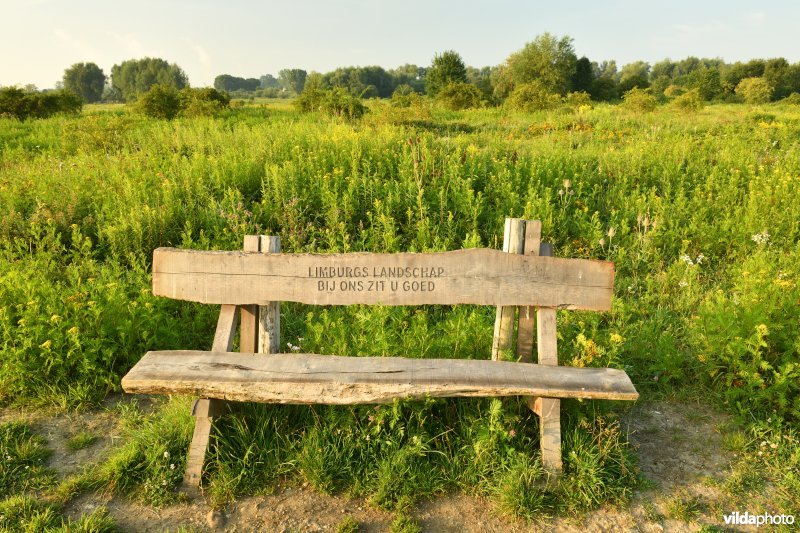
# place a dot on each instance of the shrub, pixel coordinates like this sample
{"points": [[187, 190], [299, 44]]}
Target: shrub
{"points": [[579, 100], [639, 100], [202, 102], [455, 96], [754, 90], [532, 97], [19, 104], [689, 101], [336, 102], [673, 91], [404, 96], [161, 101], [792, 99]]}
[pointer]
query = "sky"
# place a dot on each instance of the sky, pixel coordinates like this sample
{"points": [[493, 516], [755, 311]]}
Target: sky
{"points": [[41, 38]]}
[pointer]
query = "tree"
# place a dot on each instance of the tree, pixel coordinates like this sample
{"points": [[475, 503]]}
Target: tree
{"points": [[292, 79], [268, 81], [446, 68], [754, 90], [86, 80], [135, 76], [20, 104], [634, 74], [707, 82], [547, 60], [584, 75], [226, 82], [455, 96]]}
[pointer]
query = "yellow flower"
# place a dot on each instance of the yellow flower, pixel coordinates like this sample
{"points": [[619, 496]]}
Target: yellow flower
{"points": [[616, 338], [46, 344], [73, 330], [55, 318], [762, 330]]}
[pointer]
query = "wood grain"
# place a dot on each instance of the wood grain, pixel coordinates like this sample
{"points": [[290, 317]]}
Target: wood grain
{"points": [[269, 315], [527, 324], [329, 379], [505, 318], [477, 276]]}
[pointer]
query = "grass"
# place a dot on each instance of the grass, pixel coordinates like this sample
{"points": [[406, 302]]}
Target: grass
{"points": [[22, 458], [698, 211], [80, 440]]}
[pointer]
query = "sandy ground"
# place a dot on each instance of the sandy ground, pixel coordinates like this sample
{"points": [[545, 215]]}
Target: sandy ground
{"points": [[679, 446]]}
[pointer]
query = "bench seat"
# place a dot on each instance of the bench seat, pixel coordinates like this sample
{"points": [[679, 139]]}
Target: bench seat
{"points": [[328, 379]]}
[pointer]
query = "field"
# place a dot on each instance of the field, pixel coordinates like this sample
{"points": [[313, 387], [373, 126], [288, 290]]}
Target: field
{"points": [[700, 212]]}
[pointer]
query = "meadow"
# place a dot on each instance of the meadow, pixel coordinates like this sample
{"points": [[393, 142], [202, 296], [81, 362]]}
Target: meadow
{"points": [[699, 211]]}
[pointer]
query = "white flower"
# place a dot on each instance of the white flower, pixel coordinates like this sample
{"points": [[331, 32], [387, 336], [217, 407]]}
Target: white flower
{"points": [[700, 258], [683, 284], [166, 455], [761, 238], [686, 259]]}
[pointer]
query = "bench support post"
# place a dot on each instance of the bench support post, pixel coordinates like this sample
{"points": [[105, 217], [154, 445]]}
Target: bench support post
{"points": [[524, 237], [205, 410], [259, 332], [548, 409]]}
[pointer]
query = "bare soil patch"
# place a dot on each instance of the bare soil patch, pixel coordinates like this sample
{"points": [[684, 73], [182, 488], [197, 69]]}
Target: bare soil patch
{"points": [[680, 455]]}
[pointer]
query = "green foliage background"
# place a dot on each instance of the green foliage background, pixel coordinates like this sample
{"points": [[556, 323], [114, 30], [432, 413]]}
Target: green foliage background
{"points": [[699, 213]]}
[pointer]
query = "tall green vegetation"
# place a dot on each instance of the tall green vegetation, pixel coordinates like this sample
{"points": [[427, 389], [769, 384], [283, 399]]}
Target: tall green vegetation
{"points": [[547, 60], [136, 76], [86, 80], [20, 104], [292, 79], [226, 82], [754, 90], [446, 68]]}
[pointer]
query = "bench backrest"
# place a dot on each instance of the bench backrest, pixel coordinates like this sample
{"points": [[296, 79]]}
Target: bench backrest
{"points": [[474, 276]]}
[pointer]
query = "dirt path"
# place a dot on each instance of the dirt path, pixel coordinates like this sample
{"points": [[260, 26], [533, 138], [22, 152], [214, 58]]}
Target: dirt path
{"points": [[680, 453]]}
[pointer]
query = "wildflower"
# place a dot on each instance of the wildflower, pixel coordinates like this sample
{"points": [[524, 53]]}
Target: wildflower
{"points": [[73, 330], [512, 433], [611, 232], [172, 466], [616, 338], [773, 445], [762, 330], [763, 443], [166, 455], [602, 242], [761, 238], [683, 284], [686, 259], [567, 184], [700, 258], [46, 344], [55, 318]]}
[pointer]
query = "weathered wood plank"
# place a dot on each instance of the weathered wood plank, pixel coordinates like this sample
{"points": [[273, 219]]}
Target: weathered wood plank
{"points": [[527, 324], [548, 409], [513, 243], [248, 331], [477, 276], [269, 315], [226, 328], [328, 379]]}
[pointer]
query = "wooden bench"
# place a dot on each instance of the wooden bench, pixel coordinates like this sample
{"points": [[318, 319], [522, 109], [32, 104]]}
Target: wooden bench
{"points": [[523, 281]]}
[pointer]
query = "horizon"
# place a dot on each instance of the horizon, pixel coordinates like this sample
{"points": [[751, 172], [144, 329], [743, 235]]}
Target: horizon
{"points": [[50, 36]]}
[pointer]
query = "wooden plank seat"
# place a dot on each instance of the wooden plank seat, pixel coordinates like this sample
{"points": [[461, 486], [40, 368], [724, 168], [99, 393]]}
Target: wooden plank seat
{"points": [[329, 379], [523, 281]]}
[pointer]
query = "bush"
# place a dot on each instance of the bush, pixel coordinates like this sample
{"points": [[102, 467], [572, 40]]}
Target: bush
{"points": [[455, 96], [673, 91], [578, 100], [19, 104], [639, 100], [164, 101], [161, 101], [404, 96], [202, 102], [754, 90], [336, 102], [792, 99], [532, 97], [689, 101]]}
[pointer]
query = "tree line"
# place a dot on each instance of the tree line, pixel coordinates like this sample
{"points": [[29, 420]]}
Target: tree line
{"points": [[547, 66]]}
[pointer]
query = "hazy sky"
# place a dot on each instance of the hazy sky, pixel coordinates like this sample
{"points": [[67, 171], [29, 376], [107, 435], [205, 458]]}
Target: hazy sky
{"points": [[40, 38]]}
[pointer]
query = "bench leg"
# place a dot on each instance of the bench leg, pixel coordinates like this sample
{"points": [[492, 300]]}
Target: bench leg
{"points": [[549, 411], [204, 411]]}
